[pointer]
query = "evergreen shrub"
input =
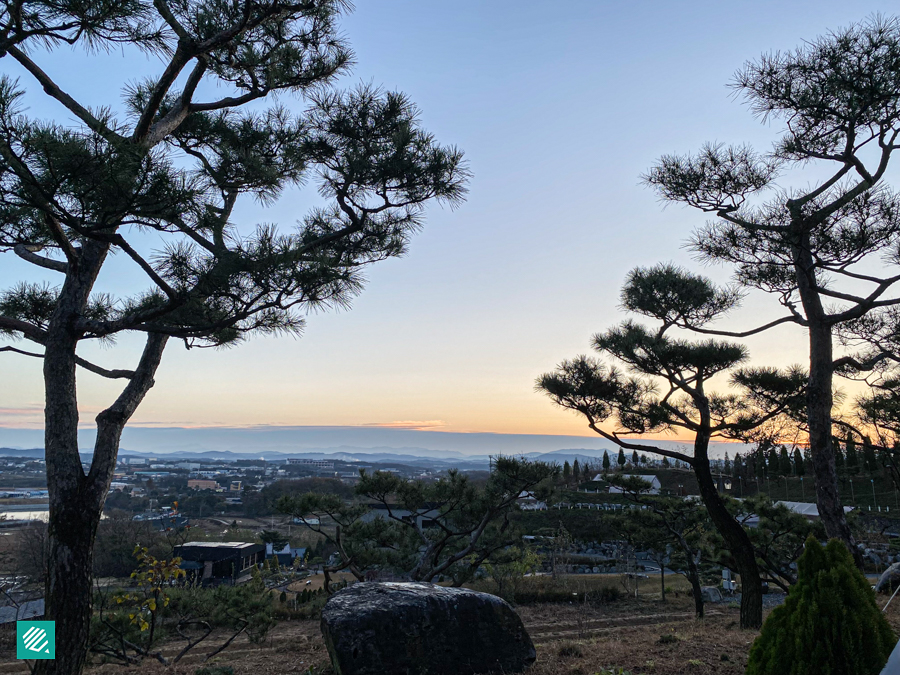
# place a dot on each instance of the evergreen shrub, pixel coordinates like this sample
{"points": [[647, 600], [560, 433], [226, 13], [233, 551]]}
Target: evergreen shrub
{"points": [[829, 623]]}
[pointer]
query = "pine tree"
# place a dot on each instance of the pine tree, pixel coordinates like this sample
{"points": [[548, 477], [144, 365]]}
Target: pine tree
{"points": [[839, 456], [773, 461], [576, 472], [727, 465], [163, 180], [852, 457], [784, 462], [634, 458], [829, 624], [606, 463], [869, 459], [661, 368], [567, 473], [665, 462], [807, 246], [621, 461], [799, 464]]}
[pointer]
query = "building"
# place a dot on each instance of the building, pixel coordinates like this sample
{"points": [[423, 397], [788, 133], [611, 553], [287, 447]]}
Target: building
{"points": [[30, 609], [805, 509], [202, 484], [528, 502], [216, 562], [427, 517], [313, 463], [651, 480], [167, 519], [286, 555]]}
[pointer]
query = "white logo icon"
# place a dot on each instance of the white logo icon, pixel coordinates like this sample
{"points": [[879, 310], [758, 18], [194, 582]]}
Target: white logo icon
{"points": [[35, 640]]}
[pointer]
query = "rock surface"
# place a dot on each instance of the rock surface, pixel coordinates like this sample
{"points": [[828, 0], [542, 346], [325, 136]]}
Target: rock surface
{"points": [[889, 579], [418, 628], [711, 594]]}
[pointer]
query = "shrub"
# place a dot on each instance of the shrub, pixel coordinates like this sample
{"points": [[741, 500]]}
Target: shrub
{"points": [[570, 649], [668, 639], [607, 594], [829, 623]]}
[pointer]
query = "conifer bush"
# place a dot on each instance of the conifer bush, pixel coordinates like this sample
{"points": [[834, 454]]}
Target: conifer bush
{"points": [[829, 624]]}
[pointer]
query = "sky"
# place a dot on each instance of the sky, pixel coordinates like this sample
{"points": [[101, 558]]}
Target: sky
{"points": [[559, 108]]}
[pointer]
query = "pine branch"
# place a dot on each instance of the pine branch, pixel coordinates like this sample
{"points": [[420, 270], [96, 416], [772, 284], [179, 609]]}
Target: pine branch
{"points": [[627, 445], [111, 421], [28, 331], [53, 90], [26, 254], [84, 363], [746, 333]]}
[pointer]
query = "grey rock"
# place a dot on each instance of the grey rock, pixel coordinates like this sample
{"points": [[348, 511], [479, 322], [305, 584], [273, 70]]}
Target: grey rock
{"points": [[711, 594], [420, 628], [889, 578]]}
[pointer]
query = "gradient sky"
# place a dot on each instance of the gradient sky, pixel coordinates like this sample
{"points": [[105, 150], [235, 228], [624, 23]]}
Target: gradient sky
{"points": [[559, 108]]}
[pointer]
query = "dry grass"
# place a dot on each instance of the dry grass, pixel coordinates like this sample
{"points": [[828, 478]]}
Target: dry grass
{"points": [[571, 639]]}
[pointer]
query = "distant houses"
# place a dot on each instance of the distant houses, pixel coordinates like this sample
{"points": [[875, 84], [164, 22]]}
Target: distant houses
{"points": [[212, 563], [651, 480], [528, 502], [202, 484], [285, 555], [163, 520]]}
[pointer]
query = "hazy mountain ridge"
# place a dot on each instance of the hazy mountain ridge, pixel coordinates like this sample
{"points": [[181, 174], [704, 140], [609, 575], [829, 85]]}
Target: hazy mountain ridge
{"points": [[409, 455]]}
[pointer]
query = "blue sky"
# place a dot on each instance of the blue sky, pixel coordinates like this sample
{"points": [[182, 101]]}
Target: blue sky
{"points": [[559, 107]]}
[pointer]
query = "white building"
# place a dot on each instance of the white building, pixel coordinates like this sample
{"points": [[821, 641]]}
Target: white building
{"points": [[528, 502], [316, 463], [651, 480]]}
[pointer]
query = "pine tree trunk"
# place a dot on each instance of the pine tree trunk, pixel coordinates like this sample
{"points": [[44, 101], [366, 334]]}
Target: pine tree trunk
{"points": [[820, 401], [662, 580], [736, 538], [69, 598], [76, 499], [72, 526], [694, 578]]}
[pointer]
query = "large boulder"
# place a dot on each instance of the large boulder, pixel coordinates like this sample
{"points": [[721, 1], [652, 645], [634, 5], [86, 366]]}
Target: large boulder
{"points": [[419, 628], [889, 579]]}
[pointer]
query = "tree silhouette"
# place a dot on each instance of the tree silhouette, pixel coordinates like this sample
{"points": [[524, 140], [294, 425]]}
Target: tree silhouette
{"points": [[667, 389], [818, 249]]}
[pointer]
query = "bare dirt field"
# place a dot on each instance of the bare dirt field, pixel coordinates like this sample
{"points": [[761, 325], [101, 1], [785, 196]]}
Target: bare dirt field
{"points": [[571, 639]]}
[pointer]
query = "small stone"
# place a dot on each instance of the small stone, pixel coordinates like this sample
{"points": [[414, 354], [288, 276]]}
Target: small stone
{"points": [[711, 594], [888, 579]]}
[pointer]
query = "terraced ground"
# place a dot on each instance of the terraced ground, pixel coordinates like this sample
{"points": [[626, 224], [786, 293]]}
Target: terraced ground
{"points": [[571, 639]]}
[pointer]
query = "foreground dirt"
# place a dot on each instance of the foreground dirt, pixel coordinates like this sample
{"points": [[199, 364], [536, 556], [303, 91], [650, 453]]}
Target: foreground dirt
{"points": [[570, 639]]}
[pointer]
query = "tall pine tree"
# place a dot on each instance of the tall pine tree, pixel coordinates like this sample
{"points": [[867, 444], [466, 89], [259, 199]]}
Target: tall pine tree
{"points": [[824, 251], [163, 181]]}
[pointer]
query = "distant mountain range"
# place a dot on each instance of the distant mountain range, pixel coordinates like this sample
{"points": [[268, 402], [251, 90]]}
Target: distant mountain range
{"points": [[356, 444], [382, 455]]}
